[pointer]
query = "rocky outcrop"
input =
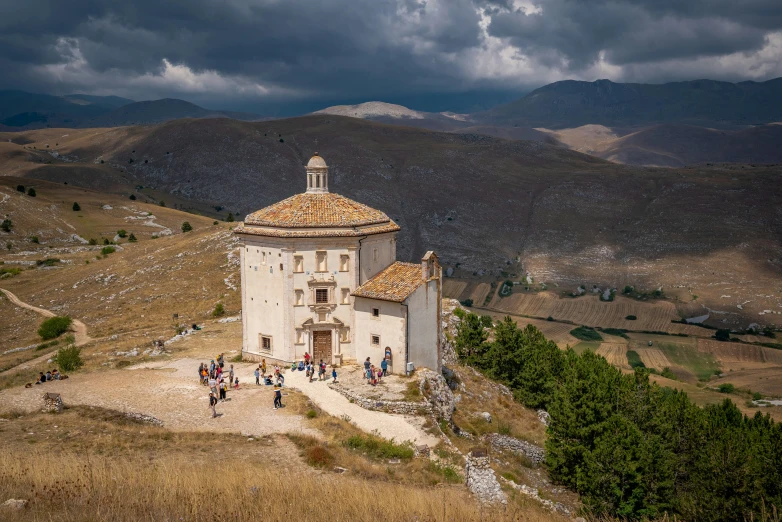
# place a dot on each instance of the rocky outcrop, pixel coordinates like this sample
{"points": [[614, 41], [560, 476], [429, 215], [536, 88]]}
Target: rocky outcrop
{"points": [[504, 442], [533, 493], [435, 388], [450, 322], [52, 403], [480, 478]]}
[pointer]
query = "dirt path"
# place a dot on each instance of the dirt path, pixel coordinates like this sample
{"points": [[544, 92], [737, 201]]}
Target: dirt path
{"points": [[398, 427], [79, 328]]}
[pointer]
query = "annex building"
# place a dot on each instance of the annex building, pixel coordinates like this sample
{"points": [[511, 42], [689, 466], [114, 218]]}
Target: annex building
{"points": [[319, 275]]}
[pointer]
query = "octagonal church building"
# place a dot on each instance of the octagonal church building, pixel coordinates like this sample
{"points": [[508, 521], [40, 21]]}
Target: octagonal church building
{"points": [[319, 275]]}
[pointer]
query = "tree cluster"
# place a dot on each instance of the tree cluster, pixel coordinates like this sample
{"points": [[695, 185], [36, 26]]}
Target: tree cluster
{"points": [[631, 448]]}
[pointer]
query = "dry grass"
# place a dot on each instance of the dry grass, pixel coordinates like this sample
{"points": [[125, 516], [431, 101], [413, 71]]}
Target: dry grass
{"points": [[508, 416], [94, 464]]}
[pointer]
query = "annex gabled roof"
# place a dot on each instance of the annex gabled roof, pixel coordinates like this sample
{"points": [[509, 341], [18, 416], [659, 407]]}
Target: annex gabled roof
{"points": [[396, 283]]}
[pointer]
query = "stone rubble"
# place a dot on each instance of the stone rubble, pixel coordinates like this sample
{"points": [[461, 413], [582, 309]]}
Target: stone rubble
{"points": [[480, 478], [504, 442], [533, 493]]}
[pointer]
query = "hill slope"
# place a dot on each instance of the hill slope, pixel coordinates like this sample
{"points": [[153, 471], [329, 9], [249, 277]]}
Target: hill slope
{"points": [[570, 103], [488, 206]]}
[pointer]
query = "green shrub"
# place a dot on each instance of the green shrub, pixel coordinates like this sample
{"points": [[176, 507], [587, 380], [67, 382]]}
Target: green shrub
{"points": [[619, 332], [31, 192], [466, 302], [230, 218], [76, 207], [311, 414], [34, 239], [627, 290], [49, 261], [446, 471], [107, 250], [107, 241], [132, 238], [69, 358], [7, 225], [132, 197], [9, 272], [20, 188], [726, 388], [631, 318], [634, 360], [122, 233], [54, 327], [318, 456], [377, 447], [668, 374], [187, 227], [458, 312], [506, 289], [756, 396], [219, 310], [215, 222], [93, 241], [586, 333], [722, 335], [9, 245]]}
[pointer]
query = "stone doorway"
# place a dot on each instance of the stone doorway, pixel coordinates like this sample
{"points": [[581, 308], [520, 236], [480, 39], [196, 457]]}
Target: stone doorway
{"points": [[321, 346]]}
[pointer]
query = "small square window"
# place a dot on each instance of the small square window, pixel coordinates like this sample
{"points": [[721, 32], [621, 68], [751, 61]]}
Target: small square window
{"points": [[321, 295], [266, 343], [375, 340], [376, 312], [280, 267], [375, 255]]}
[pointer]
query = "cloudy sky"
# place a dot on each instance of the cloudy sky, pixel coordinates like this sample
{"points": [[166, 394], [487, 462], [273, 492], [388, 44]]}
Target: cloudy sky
{"points": [[286, 55]]}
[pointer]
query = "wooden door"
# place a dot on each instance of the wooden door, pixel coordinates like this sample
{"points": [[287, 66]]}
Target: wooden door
{"points": [[321, 346]]}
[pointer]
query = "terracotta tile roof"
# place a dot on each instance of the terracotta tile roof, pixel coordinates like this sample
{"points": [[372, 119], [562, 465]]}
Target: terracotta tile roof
{"points": [[333, 232], [323, 210], [395, 283]]}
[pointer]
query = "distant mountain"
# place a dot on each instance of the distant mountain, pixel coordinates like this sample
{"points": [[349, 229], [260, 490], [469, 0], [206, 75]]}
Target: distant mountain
{"points": [[159, 111], [103, 101], [25, 110], [570, 103]]}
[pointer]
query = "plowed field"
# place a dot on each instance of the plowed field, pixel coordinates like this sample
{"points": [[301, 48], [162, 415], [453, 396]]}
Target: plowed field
{"points": [[653, 358], [590, 311], [733, 356], [615, 353], [454, 288]]}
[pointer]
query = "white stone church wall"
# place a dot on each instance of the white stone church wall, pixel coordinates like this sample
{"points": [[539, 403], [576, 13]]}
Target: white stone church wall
{"points": [[390, 326], [264, 303], [424, 330]]}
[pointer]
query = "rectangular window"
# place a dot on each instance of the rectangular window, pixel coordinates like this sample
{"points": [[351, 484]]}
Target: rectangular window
{"points": [[375, 255], [376, 312], [321, 261], [321, 295], [299, 297], [346, 296], [263, 258], [298, 264], [266, 343], [344, 263], [280, 267], [375, 340]]}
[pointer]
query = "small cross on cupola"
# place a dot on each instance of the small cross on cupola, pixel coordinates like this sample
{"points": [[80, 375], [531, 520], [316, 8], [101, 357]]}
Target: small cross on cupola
{"points": [[317, 175]]}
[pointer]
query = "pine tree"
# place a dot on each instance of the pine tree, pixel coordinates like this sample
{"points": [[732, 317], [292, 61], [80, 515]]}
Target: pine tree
{"points": [[76, 207]]}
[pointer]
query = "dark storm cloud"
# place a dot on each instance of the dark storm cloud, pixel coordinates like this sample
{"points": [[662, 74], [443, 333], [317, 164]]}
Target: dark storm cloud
{"points": [[304, 49]]}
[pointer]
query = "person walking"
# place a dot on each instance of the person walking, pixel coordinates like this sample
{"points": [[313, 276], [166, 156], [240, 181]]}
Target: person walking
{"points": [[334, 374], [263, 366], [384, 366], [257, 376], [231, 374], [201, 372], [311, 368], [220, 360], [322, 371], [306, 357], [277, 397], [212, 404], [372, 374], [213, 386], [367, 373], [223, 389]]}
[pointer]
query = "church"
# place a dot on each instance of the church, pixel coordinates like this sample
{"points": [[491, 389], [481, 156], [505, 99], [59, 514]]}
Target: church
{"points": [[319, 275]]}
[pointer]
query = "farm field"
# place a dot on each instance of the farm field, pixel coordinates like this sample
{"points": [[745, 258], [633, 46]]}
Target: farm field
{"points": [[583, 346], [767, 381], [653, 358], [734, 356], [615, 353], [554, 331]]}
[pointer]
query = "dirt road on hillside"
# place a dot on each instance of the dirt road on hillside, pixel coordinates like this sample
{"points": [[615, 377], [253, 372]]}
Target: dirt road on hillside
{"points": [[79, 328]]}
